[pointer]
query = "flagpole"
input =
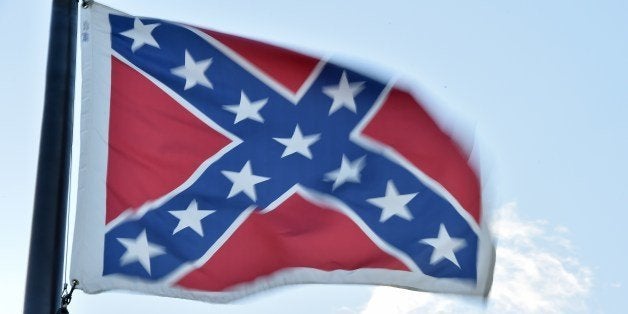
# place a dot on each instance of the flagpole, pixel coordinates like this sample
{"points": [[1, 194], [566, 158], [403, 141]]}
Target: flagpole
{"points": [[45, 263]]}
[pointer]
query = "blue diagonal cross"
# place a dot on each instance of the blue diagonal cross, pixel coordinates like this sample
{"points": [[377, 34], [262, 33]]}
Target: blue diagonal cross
{"points": [[262, 156]]}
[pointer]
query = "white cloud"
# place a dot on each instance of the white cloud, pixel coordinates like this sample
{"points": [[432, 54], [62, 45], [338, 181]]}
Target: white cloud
{"points": [[535, 272]]}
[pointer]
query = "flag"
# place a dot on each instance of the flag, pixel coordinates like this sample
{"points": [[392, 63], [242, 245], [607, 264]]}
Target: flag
{"points": [[214, 166]]}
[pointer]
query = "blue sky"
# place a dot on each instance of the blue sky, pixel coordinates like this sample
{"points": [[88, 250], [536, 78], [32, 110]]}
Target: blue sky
{"points": [[544, 82]]}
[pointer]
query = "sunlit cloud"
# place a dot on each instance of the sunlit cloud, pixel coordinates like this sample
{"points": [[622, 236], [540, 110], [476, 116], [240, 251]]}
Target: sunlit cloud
{"points": [[536, 272]]}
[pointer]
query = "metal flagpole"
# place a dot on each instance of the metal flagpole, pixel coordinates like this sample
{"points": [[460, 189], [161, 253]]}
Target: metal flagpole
{"points": [[45, 263]]}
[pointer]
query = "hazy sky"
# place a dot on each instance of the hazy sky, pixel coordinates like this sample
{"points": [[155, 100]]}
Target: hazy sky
{"points": [[544, 82]]}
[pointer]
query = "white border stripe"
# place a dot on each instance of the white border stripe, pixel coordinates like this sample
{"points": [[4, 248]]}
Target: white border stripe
{"points": [[89, 231]]}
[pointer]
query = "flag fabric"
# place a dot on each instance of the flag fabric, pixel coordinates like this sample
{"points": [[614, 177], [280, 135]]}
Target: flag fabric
{"points": [[214, 166]]}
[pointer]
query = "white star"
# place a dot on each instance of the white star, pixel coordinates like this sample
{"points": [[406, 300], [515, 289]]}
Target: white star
{"points": [[141, 35], [140, 250], [191, 217], [444, 246], [343, 94], [349, 171], [298, 143], [244, 181], [193, 72], [247, 109], [393, 203]]}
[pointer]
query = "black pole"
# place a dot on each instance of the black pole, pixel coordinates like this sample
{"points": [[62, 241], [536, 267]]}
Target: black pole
{"points": [[45, 262]]}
